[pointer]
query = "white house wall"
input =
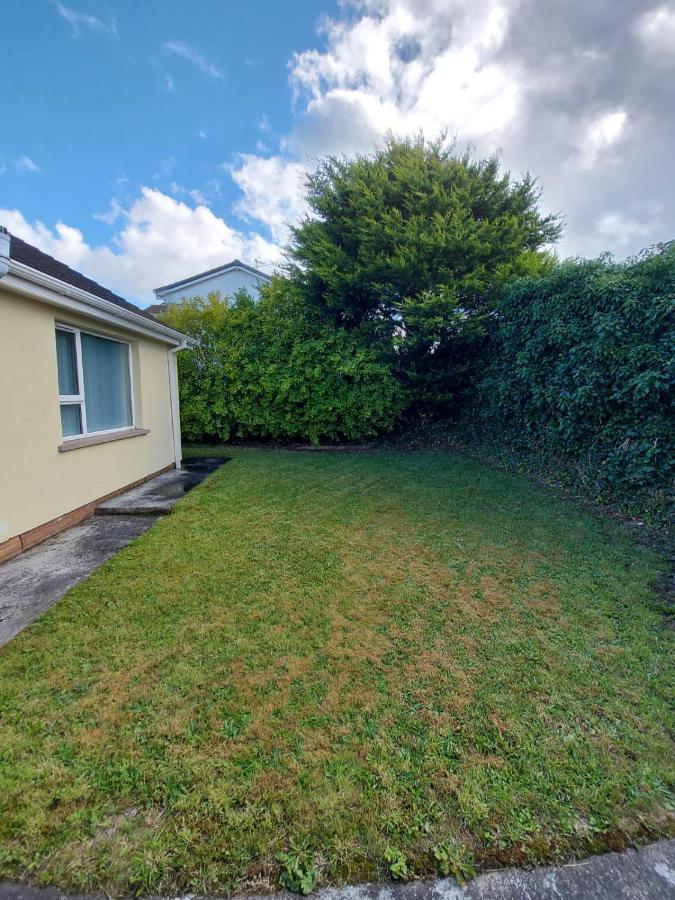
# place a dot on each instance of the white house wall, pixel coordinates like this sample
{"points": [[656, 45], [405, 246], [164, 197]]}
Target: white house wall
{"points": [[225, 283], [38, 483]]}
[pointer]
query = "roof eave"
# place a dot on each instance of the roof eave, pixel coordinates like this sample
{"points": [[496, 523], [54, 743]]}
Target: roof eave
{"points": [[23, 279]]}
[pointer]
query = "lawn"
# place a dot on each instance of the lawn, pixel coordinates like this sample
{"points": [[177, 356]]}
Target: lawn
{"points": [[375, 664]]}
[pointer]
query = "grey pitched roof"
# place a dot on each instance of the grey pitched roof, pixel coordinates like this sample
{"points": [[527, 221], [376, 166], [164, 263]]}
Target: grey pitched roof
{"points": [[157, 308], [30, 256], [235, 264]]}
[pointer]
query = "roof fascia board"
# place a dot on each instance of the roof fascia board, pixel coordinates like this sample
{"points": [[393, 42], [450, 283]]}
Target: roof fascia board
{"points": [[163, 291], [24, 280]]}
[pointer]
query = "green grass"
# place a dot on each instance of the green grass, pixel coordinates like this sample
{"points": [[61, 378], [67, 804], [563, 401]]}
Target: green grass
{"points": [[332, 667]]}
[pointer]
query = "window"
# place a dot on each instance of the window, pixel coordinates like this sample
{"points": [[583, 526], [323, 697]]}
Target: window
{"points": [[94, 383]]}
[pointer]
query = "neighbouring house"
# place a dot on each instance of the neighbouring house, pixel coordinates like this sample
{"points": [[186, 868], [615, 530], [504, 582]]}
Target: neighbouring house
{"points": [[225, 280], [88, 395]]}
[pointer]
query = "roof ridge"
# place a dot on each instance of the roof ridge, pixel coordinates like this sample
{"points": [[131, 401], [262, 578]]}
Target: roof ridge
{"points": [[229, 265]]}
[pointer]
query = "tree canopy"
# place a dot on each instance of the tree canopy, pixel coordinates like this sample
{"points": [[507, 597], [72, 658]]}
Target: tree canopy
{"points": [[411, 243], [410, 217]]}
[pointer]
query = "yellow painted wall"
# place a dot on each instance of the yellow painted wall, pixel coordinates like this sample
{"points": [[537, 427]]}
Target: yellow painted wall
{"points": [[37, 483]]}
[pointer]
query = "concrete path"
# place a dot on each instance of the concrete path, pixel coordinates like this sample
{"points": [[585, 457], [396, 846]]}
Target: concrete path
{"points": [[35, 580], [646, 874]]}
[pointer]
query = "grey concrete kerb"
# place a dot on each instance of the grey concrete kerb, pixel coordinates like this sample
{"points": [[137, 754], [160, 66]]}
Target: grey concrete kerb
{"points": [[645, 874]]}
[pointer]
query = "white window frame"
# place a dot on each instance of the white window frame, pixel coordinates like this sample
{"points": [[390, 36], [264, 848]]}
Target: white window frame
{"points": [[78, 399]]}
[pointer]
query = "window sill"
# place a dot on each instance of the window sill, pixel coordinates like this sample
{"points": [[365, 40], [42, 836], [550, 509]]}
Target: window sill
{"points": [[91, 439]]}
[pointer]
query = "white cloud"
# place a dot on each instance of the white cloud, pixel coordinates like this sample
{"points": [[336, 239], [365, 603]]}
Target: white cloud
{"points": [[273, 190], [410, 66], [161, 240], [564, 91], [195, 57], [656, 29], [608, 128], [601, 137], [115, 211], [622, 231], [580, 96], [24, 164], [198, 197], [81, 21], [402, 66], [169, 83]]}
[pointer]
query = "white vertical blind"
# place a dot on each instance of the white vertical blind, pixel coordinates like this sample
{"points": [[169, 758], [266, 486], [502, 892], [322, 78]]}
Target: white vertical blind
{"points": [[67, 362], [94, 377], [107, 385]]}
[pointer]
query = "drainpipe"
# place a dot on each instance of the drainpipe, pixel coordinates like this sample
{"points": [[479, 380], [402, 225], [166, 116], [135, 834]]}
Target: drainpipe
{"points": [[4, 251], [175, 404]]}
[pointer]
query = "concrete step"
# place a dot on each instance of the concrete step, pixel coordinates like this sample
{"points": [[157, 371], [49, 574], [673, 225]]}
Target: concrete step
{"points": [[159, 495]]}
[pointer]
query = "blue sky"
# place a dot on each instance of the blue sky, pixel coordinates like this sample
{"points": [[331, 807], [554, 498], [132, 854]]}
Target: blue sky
{"points": [[103, 108], [145, 141]]}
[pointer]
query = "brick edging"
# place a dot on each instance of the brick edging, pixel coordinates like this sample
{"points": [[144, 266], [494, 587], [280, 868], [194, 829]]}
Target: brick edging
{"points": [[20, 542]]}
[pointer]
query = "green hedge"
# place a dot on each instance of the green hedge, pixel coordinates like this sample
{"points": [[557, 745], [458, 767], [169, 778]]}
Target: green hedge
{"points": [[581, 366], [574, 381], [271, 370]]}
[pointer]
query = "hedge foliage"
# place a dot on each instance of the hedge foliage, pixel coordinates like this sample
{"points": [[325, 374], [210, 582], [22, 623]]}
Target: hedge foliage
{"points": [[575, 380], [581, 364], [269, 369]]}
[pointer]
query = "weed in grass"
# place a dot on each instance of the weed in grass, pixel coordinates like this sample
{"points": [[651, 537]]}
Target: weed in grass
{"points": [[298, 873], [397, 863], [454, 859]]}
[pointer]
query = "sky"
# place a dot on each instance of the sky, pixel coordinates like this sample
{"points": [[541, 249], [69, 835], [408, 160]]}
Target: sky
{"points": [[144, 142]]}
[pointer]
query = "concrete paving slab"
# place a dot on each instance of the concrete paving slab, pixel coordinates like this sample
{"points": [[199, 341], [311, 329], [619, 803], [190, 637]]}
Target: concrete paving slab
{"points": [[157, 496], [37, 579], [645, 874]]}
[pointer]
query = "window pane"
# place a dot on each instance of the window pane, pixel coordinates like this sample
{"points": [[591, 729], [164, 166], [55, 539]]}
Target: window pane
{"points": [[66, 362], [107, 387], [71, 420]]}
